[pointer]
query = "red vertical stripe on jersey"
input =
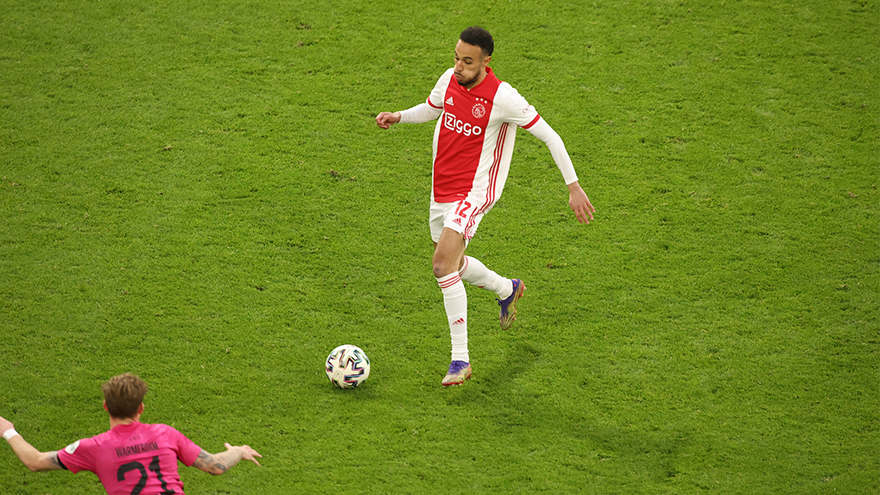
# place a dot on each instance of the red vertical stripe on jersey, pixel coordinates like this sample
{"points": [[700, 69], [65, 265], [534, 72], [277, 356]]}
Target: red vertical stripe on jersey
{"points": [[493, 173]]}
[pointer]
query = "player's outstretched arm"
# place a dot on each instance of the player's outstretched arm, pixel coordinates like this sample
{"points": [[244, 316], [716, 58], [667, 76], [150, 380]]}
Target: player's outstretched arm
{"points": [[220, 463], [580, 203], [386, 119], [32, 458], [577, 198]]}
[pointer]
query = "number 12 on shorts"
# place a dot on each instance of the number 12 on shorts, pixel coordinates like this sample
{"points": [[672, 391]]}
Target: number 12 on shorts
{"points": [[463, 207]]}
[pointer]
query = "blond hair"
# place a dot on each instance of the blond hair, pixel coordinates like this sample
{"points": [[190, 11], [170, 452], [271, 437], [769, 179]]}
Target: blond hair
{"points": [[124, 394]]}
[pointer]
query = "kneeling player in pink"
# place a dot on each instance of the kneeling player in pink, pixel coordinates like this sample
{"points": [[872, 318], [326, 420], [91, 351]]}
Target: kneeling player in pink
{"points": [[473, 145], [132, 457]]}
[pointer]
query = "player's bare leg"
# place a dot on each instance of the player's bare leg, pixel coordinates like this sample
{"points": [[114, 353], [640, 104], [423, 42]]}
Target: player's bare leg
{"points": [[448, 253]]}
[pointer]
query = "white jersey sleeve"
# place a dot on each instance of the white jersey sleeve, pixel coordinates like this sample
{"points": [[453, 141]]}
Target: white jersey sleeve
{"points": [[419, 114], [518, 111], [432, 107], [542, 130]]}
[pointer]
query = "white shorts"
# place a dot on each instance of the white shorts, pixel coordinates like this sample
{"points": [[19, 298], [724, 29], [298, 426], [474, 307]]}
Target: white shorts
{"points": [[460, 217]]}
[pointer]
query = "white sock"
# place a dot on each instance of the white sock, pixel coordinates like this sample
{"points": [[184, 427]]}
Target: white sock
{"points": [[455, 301], [475, 272]]}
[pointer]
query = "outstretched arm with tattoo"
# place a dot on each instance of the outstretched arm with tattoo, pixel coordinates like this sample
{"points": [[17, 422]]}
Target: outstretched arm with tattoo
{"points": [[220, 463], [32, 458]]}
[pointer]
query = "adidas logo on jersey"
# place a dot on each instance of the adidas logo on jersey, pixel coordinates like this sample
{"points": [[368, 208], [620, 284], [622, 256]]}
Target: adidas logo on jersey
{"points": [[449, 102]]}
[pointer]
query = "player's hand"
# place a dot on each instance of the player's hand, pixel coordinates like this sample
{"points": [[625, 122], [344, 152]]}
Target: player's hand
{"points": [[580, 203], [5, 425], [385, 119], [246, 452]]}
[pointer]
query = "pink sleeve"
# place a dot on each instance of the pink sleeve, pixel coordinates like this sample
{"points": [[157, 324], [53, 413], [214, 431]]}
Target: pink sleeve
{"points": [[187, 450], [78, 456]]}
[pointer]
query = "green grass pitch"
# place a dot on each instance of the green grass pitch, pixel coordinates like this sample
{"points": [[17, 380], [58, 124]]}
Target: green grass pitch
{"points": [[197, 192]]}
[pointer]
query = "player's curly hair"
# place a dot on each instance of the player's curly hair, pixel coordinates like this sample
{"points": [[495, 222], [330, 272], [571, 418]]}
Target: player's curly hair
{"points": [[477, 36], [124, 394]]}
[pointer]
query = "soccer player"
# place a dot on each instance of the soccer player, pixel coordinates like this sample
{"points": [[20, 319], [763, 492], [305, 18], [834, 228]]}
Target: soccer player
{"points": [[473, 144], [132, 457]]}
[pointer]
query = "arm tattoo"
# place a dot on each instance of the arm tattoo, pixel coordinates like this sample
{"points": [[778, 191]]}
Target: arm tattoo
{"points": [[56, 464], [202, 460], [219, 466], [210, 463]]}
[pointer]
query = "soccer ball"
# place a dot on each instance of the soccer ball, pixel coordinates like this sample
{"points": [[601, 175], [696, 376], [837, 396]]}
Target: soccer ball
{"points": [[347, 366]]}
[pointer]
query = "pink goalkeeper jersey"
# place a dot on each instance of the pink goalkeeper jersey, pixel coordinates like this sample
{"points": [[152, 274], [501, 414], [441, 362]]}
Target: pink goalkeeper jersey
{"points": [[136, 458], [474, 137]]}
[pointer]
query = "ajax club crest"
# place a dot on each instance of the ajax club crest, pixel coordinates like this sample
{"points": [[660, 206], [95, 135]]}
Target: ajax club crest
{"points": [[479, 110]]}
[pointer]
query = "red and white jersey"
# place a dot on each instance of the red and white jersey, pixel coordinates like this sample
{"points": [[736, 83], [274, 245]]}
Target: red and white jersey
{"points": [[474, 137]]}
